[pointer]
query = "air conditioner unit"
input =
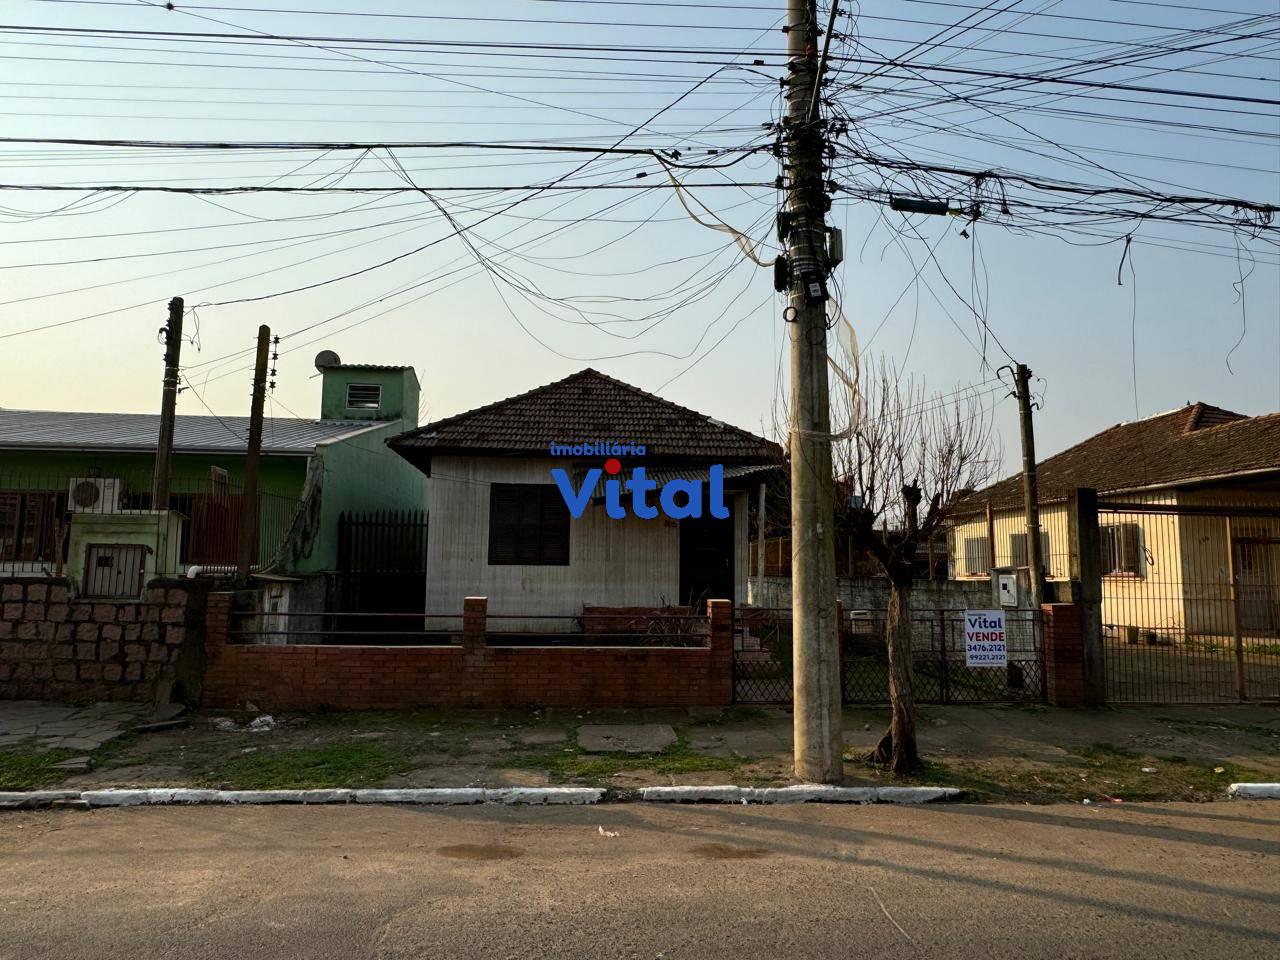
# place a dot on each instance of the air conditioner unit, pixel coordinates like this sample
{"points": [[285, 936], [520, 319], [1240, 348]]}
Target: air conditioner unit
{"points": [[94, 494]]}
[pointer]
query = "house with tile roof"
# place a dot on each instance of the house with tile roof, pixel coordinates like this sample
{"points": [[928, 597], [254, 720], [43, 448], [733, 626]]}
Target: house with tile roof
{"points": [[63, 470], [500, 527], [1162, 571]]}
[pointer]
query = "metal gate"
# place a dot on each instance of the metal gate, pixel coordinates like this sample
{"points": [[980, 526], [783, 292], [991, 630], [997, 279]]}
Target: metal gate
{"points": [[763, 672], [382, 562], [1190, 602]]}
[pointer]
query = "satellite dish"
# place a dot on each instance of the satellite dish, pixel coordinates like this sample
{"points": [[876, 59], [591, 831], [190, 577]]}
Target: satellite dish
{"points": [[327, 358]]}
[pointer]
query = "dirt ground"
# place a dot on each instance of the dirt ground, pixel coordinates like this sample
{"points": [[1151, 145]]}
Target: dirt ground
{"points": [[1036, 754]]}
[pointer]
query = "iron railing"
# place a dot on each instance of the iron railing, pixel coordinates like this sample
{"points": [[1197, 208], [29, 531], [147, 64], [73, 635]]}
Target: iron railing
{"points": [[358, 628]]}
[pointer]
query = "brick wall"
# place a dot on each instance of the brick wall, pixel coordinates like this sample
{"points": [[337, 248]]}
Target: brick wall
{"points": [[1064, 654], [471, 674], [54, 647]]}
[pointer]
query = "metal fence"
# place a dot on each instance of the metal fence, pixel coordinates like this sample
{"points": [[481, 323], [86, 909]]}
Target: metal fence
{"points": [[398, 628], [352, 628], [1190, 602], [37, 511], [762, 660]]}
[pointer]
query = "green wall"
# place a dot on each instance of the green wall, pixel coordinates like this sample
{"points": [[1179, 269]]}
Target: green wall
{"points": [[361, 475], [39, 470], [399, 394]]}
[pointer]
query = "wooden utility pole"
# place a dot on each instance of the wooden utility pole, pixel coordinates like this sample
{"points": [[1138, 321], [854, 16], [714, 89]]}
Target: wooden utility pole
{"points": [[1030, 494], [249, 500], [168, 407], [819, 745]]}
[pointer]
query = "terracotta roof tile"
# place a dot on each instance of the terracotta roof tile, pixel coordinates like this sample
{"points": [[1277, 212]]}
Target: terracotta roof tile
{"points": [[587, 406], [1194, 442]]}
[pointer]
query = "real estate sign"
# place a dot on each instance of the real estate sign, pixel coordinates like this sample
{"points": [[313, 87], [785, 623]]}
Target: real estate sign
{"points": [[984, 639]]}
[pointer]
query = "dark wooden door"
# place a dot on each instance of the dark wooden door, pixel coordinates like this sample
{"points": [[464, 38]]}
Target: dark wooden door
{"points": [[706, 561]]}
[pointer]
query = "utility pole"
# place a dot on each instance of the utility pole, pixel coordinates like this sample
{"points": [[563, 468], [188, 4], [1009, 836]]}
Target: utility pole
{"points": [[818, 730], [168, 407], [1030, 495], [249, 501]]}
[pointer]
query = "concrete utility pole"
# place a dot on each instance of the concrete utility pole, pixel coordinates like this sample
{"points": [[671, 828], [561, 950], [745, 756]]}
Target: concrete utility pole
{"points": [[1030, 495], [819, 744], [249, 501], [168, 407]]}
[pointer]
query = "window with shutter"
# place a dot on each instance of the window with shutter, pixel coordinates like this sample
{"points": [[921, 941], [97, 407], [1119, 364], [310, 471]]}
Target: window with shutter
{"points": [[1018, 550], [363, 396], [1121, 549], [977, 556], [528, 525]]}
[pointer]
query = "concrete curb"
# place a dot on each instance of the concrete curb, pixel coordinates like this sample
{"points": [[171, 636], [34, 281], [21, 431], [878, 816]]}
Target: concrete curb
{"points": [[1255, 791], [447, 796], [799, 793], [163, 796]]}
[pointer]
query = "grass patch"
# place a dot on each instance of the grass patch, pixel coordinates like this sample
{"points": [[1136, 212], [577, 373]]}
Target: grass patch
{"points": [[571, 764], [31, 771], [1097, 773], [333, 765]]}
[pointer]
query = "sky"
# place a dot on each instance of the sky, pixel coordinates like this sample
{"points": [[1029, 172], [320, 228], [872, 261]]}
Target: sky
{"points": [[619, 276]]}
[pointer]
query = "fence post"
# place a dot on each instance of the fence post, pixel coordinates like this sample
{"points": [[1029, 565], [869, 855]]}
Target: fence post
{"points": [[944, 674], [720, 617], [474, 622], [217, 624], [1062, 640], [1236, 635], [1086, 574]]}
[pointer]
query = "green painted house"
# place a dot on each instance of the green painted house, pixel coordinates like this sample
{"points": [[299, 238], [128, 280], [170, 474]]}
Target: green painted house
{"points": [[69, 481]]}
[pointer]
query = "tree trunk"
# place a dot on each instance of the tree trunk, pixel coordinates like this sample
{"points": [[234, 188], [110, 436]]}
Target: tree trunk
{"points": [[898, 746]]}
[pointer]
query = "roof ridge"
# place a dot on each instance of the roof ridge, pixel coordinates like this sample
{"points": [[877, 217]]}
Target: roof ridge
{"points": [[435, 424], [722, 424], [580, 374]]}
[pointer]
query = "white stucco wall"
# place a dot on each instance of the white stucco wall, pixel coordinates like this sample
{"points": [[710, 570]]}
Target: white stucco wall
{"points": [[630, 562]]}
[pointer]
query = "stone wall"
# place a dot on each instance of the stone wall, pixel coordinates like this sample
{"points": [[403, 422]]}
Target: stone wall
{"points": [[872, 593], [470, 674], [54, 647]]}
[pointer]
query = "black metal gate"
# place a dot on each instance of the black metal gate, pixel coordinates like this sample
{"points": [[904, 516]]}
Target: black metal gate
{"points": [[1190, 602], [382, 562], [763, 672]]}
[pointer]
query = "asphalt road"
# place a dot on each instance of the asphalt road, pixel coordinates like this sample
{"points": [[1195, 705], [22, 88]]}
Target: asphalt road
{"points": [[1166, 881]]}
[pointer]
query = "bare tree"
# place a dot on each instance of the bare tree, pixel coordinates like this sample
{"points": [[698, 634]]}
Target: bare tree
{"points": [[899, 465]]}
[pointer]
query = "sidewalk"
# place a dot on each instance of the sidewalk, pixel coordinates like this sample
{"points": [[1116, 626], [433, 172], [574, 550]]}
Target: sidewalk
{"points": [[1036, 754]]}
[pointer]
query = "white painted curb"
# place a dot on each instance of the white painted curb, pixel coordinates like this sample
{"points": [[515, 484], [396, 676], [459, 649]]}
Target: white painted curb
{"points": [[34, 798], [799, 793], [161, 796], [1255, 791]]}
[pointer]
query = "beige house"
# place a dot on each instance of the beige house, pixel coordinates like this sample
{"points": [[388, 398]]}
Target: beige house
{"points": [[501, 528], [1198, 490]]}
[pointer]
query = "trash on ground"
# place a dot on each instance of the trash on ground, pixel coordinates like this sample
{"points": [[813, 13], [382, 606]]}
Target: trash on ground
{"points": [[1148, 769], [608, 833], [262, 724], [225, 724]]}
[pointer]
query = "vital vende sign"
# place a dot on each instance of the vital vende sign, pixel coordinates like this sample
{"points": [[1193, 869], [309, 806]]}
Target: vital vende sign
{"points": [[985, 641]]}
